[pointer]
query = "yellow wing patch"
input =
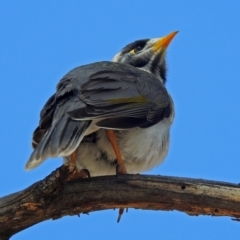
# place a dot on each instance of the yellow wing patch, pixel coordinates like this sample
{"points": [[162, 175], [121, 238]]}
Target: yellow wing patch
{"points": [[139, 99]]}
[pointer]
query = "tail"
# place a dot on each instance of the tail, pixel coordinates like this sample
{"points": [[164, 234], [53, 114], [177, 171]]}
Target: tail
{"points": [[61, 139]]}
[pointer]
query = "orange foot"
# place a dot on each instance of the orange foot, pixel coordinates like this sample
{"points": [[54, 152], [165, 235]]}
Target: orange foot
{"points": [[75, 174], [84, 173], [120, 170]]}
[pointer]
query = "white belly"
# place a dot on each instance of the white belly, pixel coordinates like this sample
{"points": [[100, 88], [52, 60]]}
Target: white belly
{"points": [[141, 149]]}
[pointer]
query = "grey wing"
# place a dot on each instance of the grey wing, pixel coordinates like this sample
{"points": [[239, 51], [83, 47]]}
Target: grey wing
{"points": [[122, 100], [57, 134]]}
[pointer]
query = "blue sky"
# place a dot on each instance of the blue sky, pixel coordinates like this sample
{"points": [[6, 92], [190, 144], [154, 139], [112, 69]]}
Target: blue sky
{"points": [[42, 40]]}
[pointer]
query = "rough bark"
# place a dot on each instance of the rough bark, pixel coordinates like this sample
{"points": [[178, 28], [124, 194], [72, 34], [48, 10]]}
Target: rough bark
{"points": [[54, 197]]}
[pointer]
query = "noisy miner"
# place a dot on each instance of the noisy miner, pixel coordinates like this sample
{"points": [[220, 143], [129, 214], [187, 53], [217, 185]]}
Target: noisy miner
{"points": [[110, 116]]}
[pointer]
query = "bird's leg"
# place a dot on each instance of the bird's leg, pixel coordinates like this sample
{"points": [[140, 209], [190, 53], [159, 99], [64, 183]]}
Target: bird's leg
{"points": [[73, 159], [84, 173], [72, 162], [120, 167], [112, 138]]}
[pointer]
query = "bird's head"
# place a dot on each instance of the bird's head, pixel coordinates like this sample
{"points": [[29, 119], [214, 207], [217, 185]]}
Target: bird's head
{"points": [[147, 54]]}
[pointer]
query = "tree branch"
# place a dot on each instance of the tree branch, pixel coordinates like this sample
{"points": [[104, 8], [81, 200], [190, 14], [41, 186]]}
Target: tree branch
{"points": [[54, 197]]}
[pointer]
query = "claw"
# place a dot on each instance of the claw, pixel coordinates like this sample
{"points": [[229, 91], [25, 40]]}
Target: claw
{"points": [[120, 170], [120, 213], [75, 174], [84, 173]]}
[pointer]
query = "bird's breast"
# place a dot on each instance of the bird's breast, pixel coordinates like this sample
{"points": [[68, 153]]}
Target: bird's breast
{"points": [[144, 148]]}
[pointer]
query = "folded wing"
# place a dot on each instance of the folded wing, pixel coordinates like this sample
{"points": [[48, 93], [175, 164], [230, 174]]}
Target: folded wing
{"points": [[57, 134], [114, 95], [122, 100]]}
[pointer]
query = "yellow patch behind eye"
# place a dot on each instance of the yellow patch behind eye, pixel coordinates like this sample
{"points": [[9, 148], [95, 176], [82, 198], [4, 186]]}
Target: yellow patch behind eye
{"points": [[132, 51]]}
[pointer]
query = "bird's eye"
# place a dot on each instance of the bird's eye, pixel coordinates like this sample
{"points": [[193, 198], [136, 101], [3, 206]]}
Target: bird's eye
{"points": [[137, 49]]}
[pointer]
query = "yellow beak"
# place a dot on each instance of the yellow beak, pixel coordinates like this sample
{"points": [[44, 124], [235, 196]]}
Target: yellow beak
{"points": [[164, 42]]}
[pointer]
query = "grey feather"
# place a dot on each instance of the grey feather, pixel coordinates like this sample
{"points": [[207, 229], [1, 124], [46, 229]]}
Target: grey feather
{"points": [[119, 95], [123, 94]]}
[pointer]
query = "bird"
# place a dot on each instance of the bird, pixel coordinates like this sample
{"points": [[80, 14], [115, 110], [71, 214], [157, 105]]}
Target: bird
{"points": [[110, 117]]}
